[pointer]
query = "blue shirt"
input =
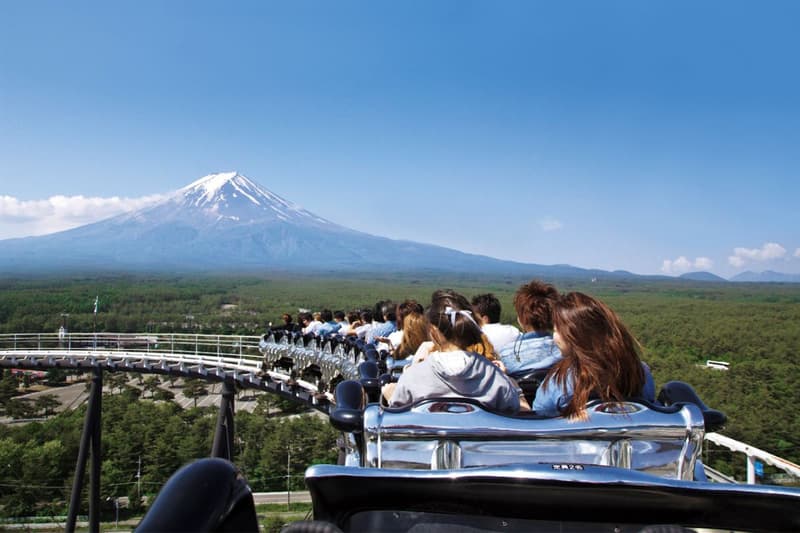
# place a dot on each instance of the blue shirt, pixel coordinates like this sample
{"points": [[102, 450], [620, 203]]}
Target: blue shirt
{"points": [[551, 399], [382, 329], [328, 327], [531, 351]]}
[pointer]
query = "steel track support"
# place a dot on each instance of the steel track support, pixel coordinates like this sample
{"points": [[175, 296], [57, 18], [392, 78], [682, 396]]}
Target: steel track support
{"points": [[223, 436], [90, 440]]}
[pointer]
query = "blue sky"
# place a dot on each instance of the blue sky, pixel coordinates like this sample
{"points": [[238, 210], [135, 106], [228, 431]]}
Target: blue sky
{"points": [[655, 137]]}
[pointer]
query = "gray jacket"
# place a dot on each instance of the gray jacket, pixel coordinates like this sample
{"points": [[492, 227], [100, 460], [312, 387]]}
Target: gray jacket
{"points": [[457, 374]]}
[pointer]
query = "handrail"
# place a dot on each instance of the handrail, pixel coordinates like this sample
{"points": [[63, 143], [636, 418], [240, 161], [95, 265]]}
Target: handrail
{"points": [[197, 345], [247, 359], [752, 454]]}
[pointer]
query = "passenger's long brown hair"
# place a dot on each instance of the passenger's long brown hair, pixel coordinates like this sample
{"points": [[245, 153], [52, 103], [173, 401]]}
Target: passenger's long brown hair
{"points": [[599, 352], [415, 332]]}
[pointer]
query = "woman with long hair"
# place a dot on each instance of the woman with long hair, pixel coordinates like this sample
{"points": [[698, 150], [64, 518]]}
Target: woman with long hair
{"points": [[415, 332], [600, 360], [450, 370]]}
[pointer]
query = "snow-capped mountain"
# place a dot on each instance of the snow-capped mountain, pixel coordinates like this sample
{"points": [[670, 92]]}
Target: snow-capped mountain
{"points": [[228, 222], [225, 221], [231, 196], [226, 198]]}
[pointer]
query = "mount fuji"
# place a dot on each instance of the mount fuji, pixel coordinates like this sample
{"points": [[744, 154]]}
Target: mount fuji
{"points": [[226, 222]]}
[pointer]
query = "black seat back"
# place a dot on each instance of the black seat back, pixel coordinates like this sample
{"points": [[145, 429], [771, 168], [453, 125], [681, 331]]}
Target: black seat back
{"points": [[206, 495]]}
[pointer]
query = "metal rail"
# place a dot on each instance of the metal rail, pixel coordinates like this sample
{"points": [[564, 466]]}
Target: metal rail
{"points": [[752, 453], [293, 370]]}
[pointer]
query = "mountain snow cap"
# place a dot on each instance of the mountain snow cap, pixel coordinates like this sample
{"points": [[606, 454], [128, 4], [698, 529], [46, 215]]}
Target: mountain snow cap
{"points": [[228, 193]]}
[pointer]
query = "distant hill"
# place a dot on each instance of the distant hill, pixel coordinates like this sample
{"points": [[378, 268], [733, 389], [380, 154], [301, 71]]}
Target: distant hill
{"points": [[227, 222], [701, 276], [767, 276]]}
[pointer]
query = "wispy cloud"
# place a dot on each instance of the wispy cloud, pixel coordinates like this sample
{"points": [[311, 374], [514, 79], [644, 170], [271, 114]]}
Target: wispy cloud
{"points": [[703, 263], [769, 251], [797, 253], [550, 224], [682, 265], [23, 218]]}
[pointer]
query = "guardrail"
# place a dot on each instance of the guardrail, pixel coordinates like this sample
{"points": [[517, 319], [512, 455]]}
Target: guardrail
{"points": [[752, 453], [290, 368], [243, 346]]}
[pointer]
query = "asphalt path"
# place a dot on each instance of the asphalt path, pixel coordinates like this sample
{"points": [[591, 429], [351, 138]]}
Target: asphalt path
{"points": [[259, 498], [280, 497]]}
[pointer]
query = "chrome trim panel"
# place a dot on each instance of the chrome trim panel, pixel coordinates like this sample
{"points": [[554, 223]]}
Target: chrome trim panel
{"points": [[564, 472], [453, 434]]}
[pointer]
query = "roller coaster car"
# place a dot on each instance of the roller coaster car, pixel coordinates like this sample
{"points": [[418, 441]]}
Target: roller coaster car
{"points": [[448, 464], [457, 433]]}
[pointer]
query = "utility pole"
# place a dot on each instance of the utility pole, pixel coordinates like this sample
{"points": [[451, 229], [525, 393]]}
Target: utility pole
{"points": [[288, 478], [94, 323], [139, 481]]}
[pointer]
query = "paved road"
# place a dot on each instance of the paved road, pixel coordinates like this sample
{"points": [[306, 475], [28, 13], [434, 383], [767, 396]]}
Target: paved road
{"points": [[128, 525], [280, 497]]}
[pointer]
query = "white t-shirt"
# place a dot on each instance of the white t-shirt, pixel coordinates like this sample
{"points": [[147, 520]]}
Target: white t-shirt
{"points": [[395, 338], [500, 334], [361, 331], [312, 327]]}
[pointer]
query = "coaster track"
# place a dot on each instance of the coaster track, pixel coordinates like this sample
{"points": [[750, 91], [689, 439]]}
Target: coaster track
{"points": [[301, 369]]}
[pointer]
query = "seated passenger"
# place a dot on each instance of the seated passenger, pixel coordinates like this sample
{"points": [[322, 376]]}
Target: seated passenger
{"points": [[395, 338], [535, 348], [415, 332], [311, 323], [385, 318], [366, 324], [451, 371], [287, 324], [601, 360], [353, 322], [487, 309], [329, 325], [341, 318]]}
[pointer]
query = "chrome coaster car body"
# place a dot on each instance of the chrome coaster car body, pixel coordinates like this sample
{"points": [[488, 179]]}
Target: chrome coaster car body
{"points": [[456, 433], [451, 434]]}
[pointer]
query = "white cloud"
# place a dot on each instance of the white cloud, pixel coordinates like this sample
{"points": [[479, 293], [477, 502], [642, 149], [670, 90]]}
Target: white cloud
{"points": [[797, 253], [682, 265], [770, 250], [23, 218], [736, 261], [550, 224], [703, 263]]}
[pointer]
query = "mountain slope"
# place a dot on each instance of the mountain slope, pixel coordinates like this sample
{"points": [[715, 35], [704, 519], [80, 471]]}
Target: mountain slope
{"points": [[768, 276], [228, 222], [701, 276]]}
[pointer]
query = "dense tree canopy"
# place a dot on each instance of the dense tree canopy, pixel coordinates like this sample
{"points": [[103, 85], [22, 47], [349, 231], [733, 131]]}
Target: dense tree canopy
{"points": [[754, 327]]}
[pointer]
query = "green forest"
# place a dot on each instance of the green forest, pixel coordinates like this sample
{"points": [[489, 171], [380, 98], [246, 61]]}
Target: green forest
{"points": [[681, 324]]}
